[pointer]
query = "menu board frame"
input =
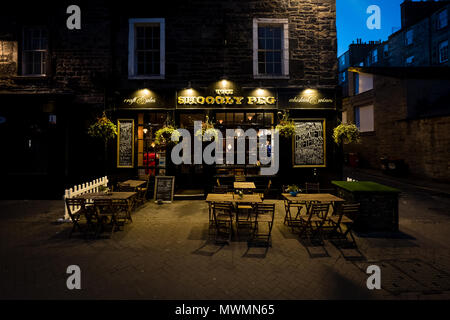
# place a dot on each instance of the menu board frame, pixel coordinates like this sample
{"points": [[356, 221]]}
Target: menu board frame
{"points": [[119, 121], [156, 188], [324, 147]]}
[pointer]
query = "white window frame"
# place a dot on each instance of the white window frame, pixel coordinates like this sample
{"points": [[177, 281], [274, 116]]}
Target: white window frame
{"points": [[440, 47], [131, 47], [284, 46], [45, 52]]}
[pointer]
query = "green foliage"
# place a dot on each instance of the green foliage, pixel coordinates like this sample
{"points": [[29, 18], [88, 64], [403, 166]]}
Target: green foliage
{"points": [[346, 134], [207, 130], [164, 135], [293, 188], [103, 129], [286, 128]]}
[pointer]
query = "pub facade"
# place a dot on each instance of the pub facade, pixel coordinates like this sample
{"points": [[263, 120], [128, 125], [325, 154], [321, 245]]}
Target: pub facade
{"points": [[235, 64]]}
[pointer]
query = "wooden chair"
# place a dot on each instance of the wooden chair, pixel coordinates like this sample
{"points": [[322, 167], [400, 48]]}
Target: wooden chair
{"points": [[293, 213], [121, 209], [312, 223], [263, 224], [103, 214], [223, 219], [312, 187], [142, 192], [342, 218], [239, 178], [266, 191], [76, 208]]}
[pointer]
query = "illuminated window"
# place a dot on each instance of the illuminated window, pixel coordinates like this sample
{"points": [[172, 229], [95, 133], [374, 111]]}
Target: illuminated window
{"points": [[375, 56], [146, 48], [409, 37], [364, 118], [363, 82], [409, 60], [270, 48], [386, 50], [443, 51], [35, 51], [442, 19], [344, 117]]}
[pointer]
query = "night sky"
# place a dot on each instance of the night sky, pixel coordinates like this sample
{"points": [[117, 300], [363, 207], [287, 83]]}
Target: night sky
{"points": [[352, 17]]}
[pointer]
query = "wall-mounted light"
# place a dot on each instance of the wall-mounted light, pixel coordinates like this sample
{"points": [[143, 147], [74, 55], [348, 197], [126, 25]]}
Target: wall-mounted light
{"points": [[229, 146], [220, 121], [153, 144], [145, 130], [145, 92]]}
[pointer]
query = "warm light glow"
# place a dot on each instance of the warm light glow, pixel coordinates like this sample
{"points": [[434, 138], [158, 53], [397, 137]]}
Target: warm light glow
{"points": [[229, 146], [145, 130], [260, 92], [220, 121], [224, 83], [190, 91], [309, 91], [153, 144], [250, 118], [145, 92]]}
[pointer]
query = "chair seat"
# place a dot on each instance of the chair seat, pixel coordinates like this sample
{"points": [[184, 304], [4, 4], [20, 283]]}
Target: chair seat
{"points": [[345, 219], [245, 207]]}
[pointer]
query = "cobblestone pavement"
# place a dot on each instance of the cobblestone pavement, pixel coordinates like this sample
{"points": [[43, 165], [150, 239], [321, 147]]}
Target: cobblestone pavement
{"points": [[164, 254]]}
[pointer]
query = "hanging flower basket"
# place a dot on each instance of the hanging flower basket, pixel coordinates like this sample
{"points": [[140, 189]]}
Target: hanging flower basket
{"points": [[286, 128], [164, 136], [207, 130], [103, 129], [346, 134]]}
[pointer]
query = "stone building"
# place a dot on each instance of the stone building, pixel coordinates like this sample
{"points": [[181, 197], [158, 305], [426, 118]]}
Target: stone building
{"points": [[148, 65]]}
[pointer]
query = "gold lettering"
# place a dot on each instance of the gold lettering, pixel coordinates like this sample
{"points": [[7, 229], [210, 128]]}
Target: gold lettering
{"points": [[251, 100], [220, 100], [200, 100], [210, 100], [239, 100], [228, 100], [181, 100], [271, 100]]}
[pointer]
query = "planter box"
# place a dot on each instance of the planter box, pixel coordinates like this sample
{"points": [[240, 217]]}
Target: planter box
{"points": [[379, 205]]}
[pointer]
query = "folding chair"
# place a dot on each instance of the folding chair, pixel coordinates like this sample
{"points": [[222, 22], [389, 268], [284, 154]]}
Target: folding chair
{"points": [[341, 218], [103, 213], [142, 193], [121, 209], [263, 223], [292, 208], [76, 208], [313, 222], [223, 218], [312, 187]]}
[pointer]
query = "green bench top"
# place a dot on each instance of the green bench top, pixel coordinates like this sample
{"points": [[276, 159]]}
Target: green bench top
{"points": [[364, 186]]}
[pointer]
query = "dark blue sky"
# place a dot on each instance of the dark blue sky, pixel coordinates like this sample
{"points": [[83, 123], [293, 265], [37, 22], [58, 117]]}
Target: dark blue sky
{"points": [[352, 17]]}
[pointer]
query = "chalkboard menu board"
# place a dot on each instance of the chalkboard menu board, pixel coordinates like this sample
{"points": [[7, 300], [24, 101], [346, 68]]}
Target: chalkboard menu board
{"points": [[164, 188], [125, 143], [309, 143]]}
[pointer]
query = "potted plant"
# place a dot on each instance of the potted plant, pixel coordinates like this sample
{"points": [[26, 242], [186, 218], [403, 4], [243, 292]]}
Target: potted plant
{"points": [[293, 190], [104, 189], [164, 135], [286, 127], [346, 134]]}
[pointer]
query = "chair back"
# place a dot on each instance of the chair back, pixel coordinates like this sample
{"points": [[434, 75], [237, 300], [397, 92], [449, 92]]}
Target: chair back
{"points": [[350, 208], [319, 210], [102, 206], [239, 178], [311, 187], [265, 209], [222, 209], [220, 189], [74, 206]]}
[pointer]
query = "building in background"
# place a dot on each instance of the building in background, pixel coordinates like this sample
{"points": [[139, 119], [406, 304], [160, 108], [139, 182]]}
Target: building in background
{"points": [[242, 64], [398, 95]]}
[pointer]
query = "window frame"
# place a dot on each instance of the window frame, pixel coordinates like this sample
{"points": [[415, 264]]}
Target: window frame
{"points": [[284, 23], [44, 60], [410, 31], [439, 51], [357, 112], [439, 26], [375, 56], [132, 70]]}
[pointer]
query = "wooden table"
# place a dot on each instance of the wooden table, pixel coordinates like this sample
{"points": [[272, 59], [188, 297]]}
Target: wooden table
{"points": [[247, 198], [107, 196], [134, 183], [244, 185], [321, 197]]}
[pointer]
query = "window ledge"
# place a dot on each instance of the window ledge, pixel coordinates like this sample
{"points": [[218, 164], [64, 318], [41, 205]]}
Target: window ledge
{"points": [[160, 77], [264, 76]]}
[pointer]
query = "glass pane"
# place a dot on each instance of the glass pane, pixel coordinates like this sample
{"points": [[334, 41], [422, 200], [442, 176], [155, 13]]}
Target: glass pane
{"points": [[261, 67], [269, 56], [140, 44], [277, 56], [269, 44], [140, 33], [220, 118], [261, 56], [269, 68], [261, 32], [261, 44], [277, 32], [277, 44], [239, 117], [269, 32], [277, 68]]}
